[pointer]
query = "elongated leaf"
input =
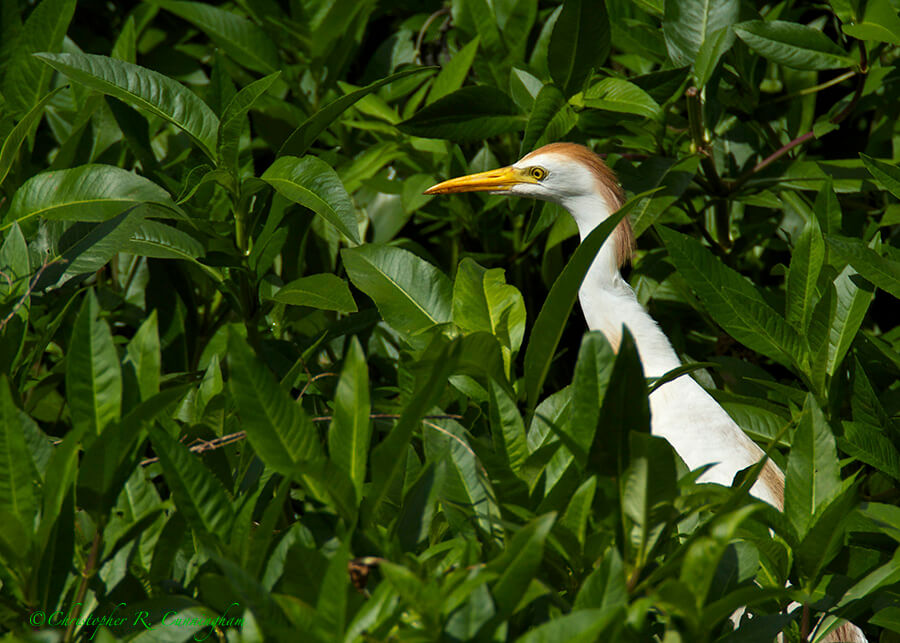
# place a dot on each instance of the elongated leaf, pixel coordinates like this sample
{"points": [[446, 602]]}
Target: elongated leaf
{"points": [[551, 321], [869, 444], [411, 294], [314, 184], [16, 485], [806, 263], [279, 430], [689, 24], [145, 89], [887, 175], [233, 119], [20, 132], [86, 193], [519, 562], [25, 79], [673, 176], [792, 45], [507, 427], [813, 476], [246, 43], [881, 271], [304, 136], [618, 95], [733, 301], [468, 114], [854, 295], [879, 22], [97, 247], [605, 587], [592, 372], [350, 432], [711, 51], [143, 356], [551, 119], [388, 457], [581, 626], [198, 494], [453, 74], [324, 291], [161, 241], [482, 300], [93, 377], [579, 42]]}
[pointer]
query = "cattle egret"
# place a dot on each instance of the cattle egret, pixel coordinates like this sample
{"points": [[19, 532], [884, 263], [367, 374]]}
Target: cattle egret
{"points": [[682, 412]]}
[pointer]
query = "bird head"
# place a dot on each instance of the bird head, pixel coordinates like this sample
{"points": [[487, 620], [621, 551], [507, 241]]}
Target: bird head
{"points": [[568, 174]]}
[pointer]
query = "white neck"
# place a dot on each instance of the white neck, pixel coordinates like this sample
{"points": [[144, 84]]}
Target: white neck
{"points": [[608, 302]]}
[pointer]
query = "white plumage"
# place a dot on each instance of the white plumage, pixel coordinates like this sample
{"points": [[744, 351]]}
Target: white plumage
{"points": [[682, 412]]}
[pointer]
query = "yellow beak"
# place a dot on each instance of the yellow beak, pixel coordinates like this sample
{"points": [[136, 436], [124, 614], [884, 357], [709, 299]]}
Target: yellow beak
{"points": [[500, 179]]}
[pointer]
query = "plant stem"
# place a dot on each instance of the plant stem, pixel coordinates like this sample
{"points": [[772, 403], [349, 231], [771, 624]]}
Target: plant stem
{"points": [[86, 575], [803, 138]]}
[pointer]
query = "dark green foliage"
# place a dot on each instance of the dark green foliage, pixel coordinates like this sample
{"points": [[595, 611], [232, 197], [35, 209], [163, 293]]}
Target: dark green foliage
{"points": [[249, 371]]}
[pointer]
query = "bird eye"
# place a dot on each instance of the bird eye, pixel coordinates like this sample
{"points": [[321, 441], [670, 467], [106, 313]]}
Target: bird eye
{"points": [[538, 173]]}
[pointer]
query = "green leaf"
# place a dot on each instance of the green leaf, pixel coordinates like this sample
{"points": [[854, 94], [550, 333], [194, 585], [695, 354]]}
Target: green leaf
{"points": [[869, 444], [732, 301], [419, 505], [580, 41], [314, 184], [143, 357], [674, 177], [234, 118], [16, 485], [96, 248], [881, 271], [886, 175], [689, 24], [246, 43], [324, 291], [350, 433], [388, 458], [411, 294], [507, 427], [519, 562], [793, 45], [20, 132], [86, 193], [468, 114], [854, 295], [304, 136], [550, 120], [198, 494], [105, 467], [581, 626], [621, 96], [161, 241], [879, 22], [649, 485], [827, 209], [806, 263], [605, 586], [93, 376], [551, 321], [453, 74], [25, 79], [589, 383], [711, 51], [813, 476], [145, 89], [277, 427], [483, 301]]}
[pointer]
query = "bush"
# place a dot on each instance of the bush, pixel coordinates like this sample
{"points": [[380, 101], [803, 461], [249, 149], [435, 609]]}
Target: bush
{"points": [[256, 380]]}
